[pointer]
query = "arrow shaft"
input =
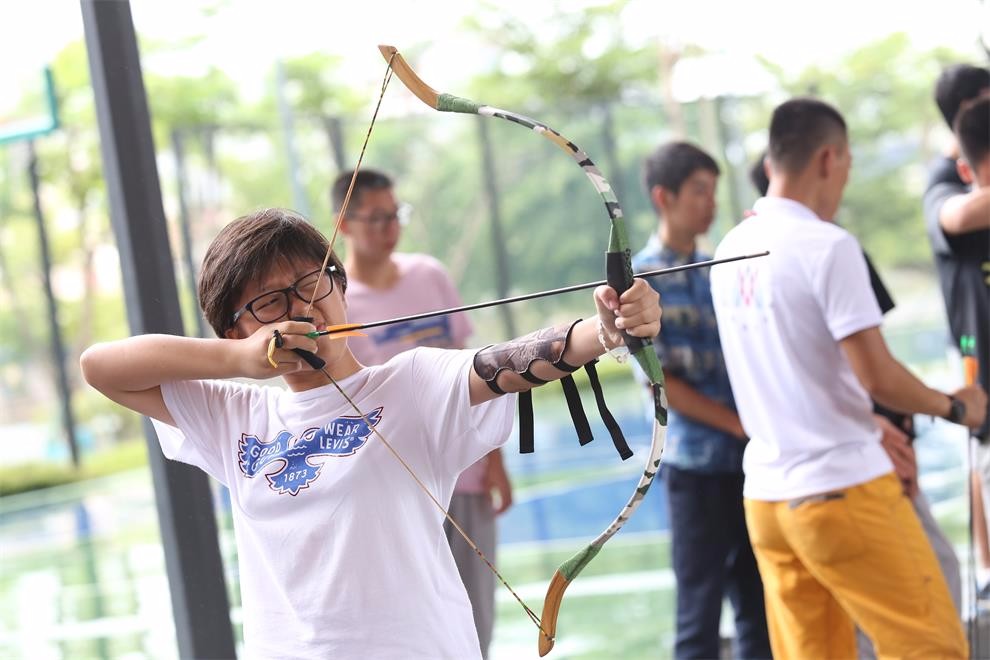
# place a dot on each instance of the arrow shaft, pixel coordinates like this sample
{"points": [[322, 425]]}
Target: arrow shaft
{"points": [[529, 296]]}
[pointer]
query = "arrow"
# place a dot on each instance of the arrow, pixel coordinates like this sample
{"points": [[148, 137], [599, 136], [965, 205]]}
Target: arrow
{"points": [[351, 328]]}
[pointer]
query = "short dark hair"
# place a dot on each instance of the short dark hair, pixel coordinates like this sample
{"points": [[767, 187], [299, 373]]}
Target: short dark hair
{"points": [[672, 163], [798, 128], [367, 179], [957, 84], [246, 249], [972, 129], [758, 175]]}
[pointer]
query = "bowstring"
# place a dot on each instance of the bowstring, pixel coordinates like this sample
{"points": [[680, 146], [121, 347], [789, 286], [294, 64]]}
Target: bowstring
{"points": [[532, 615], [326, 260], [350, 187]]}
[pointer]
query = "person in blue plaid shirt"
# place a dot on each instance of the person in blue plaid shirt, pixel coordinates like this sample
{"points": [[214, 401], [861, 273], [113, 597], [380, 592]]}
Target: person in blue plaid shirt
{"points": [[702, 471]]}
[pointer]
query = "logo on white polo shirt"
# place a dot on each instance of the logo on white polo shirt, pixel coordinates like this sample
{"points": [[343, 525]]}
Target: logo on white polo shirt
{"points": [[752, 291], [290, 455]]}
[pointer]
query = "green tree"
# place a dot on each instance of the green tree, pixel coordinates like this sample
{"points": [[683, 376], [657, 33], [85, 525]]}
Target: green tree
{"points": [[884, 91]]}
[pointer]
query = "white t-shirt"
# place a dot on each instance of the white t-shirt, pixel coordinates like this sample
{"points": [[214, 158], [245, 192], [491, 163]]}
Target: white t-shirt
{"points": [[341, 553], [423, 286], [780, 319]]}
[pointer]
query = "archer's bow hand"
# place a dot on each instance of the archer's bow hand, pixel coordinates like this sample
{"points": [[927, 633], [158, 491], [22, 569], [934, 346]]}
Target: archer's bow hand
{"points": [[637, 311]]}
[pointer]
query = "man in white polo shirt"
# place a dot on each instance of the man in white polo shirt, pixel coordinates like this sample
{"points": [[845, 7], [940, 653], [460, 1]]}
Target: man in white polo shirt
{"points": [[836, 539]]}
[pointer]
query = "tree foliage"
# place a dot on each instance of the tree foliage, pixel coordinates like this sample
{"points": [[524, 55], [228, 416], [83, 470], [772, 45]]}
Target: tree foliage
{"points": [[583, 79]]}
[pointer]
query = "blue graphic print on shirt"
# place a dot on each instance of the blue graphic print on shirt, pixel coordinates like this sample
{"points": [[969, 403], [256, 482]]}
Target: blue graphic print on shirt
{"points": [[342, 436], [421, 332], [689, 348]]}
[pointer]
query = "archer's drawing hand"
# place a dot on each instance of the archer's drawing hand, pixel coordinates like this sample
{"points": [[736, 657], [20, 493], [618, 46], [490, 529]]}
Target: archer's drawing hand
{"points": [[252, 352]]}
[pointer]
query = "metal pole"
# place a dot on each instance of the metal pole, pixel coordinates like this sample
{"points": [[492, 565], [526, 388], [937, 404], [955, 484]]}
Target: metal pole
{"points": [[495, 216], [182, 493], [730, 143], [54, 329], [612, 152], [178, 151], [299, 199], [335, 136]]}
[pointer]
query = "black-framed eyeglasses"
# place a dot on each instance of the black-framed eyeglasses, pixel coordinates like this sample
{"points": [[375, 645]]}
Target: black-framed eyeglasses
{"points": [[380, 220], [273, 305]]}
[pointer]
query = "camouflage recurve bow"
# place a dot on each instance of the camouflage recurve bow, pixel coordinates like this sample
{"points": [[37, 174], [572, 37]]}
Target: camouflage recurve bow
{"points": [[620, 277]]}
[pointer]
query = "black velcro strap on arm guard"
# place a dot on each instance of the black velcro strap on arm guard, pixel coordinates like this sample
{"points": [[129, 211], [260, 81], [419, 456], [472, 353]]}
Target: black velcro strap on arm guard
{"points": [[581, 425], [519, 355], [526, 444], [618, 439]]}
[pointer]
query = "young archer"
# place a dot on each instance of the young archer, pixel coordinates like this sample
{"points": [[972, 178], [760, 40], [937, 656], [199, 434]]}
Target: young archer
{"points": [[341, 553]]}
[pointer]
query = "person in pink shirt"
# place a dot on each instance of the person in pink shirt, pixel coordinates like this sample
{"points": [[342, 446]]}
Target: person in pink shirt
{"points": [[383, 283]]}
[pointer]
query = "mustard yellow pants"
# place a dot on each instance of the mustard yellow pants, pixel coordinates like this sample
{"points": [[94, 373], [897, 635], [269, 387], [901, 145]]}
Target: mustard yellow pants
{"points": [[857, 554]]}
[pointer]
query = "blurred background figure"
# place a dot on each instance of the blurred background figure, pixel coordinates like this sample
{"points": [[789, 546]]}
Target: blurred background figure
{"points": [[957, 218], [383, 284], [800, 330], [702, 467]]}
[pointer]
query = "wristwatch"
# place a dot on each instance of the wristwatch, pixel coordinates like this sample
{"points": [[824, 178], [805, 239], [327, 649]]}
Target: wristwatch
{"points": [[957, 410]]}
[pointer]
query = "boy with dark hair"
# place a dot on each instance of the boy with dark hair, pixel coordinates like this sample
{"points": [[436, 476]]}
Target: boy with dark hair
{"points": [[801, 339], [367, 179], [387, 283], [341, 551], [958, 84], [710, 549]]}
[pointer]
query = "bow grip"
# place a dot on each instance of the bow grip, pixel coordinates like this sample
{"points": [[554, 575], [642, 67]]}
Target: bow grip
{"points": [[618, 274]]}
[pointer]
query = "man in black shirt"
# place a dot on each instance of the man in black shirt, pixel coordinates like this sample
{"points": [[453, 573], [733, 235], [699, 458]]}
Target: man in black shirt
{"points": [[957, 216]]}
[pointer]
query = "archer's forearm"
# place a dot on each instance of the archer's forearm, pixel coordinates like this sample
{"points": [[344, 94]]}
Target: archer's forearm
{"points": [[140, 363], [500, 368], [552, 353]]}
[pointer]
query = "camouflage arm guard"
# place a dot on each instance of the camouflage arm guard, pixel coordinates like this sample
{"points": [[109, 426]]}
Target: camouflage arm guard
{"points": [[519, 355]]}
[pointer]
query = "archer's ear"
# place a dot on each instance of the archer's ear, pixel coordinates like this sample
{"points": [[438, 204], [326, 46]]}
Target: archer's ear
{"points": [[655, 195], [965, 171], [661, 198], [232, 333], [825, 160]]}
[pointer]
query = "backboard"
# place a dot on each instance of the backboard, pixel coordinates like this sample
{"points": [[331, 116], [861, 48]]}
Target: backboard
{"points": [[28, 108]]}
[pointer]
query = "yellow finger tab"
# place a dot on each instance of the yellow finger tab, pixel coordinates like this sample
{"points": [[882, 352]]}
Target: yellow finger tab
{"points": [[271, 352]]}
